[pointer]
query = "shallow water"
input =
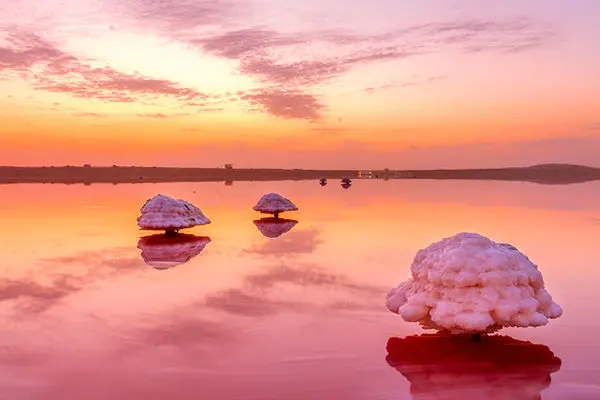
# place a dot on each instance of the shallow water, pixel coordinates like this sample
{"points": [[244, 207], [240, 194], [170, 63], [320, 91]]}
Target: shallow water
{"points": [[298, 316]]}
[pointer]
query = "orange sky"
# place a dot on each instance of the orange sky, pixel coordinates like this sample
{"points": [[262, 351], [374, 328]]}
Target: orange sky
{"points": [[258, 83]]}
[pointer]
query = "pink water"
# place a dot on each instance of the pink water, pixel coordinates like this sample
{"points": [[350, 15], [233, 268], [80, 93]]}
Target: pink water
{"points": [[301, 316]]}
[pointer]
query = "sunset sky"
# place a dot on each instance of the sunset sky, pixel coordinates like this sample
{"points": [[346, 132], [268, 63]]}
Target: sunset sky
{"points": [[309, 84]]}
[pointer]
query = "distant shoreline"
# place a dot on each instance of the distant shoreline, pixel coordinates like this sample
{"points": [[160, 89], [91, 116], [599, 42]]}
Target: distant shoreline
{"points": [[543, 174]]}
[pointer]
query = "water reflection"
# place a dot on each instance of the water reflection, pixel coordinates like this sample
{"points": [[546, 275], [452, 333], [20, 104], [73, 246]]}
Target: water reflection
{"points": [[297, 243], [260, 293], [274, 227], [446, 367], [163, 251], [303, 317]]}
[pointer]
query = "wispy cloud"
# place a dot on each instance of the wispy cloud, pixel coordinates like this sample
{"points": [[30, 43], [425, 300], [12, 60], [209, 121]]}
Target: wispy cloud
{"points": [[288, 66], [180, 15], [288, 63], [239, 43], [417, 81], [50, 69], [286, 103], [89, 114], [24, 50], [473, 35], [162, 116], [328, 131]]}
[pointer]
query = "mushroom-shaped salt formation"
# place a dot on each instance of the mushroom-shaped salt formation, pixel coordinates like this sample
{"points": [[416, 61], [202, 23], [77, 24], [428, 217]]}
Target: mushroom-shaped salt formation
{"points": [[323, 181], [273, 203], [163, 252], [456, 368], [164, 213], [469, 284], [274, 227]]}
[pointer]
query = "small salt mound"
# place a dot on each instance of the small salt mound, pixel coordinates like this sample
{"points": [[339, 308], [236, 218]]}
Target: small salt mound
{"points": [[166, 213], [468, 283], [274, 203]]}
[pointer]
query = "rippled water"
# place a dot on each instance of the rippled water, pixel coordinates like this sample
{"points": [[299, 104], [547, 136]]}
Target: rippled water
{"points": [[86, 314]]}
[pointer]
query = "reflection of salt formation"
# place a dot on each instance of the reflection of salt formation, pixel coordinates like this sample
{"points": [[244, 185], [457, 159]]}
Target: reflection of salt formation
{"points": [[444, 367], [164, 213], [468, 283], [274, 227], [162, 252], [346, 185]]}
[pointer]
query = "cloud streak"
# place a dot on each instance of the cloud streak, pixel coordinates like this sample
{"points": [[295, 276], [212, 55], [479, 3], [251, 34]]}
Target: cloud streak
{"points": [[261, 54], [417, 81], [178, 16], [50, 69], [289, 67], [89, 114], [286, 103]]}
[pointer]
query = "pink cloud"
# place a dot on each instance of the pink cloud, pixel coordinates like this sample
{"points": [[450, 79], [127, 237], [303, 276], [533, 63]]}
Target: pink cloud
{"points": [[239, 43], [255, 48], [107, 84], [50, 69], [178, 15], [26, 50], [161, 115], [286, 103], [412, 82], [88, 114]]}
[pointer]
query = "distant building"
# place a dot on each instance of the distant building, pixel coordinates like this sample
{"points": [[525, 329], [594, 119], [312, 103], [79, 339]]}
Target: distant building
{"points": [[228, 166]]}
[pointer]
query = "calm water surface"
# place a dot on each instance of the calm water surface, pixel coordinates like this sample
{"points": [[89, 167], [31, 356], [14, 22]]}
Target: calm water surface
{"points": [[86, 315]]}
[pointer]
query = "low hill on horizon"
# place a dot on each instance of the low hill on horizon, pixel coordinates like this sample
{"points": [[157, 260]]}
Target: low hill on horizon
{"points": [[550, 173]]}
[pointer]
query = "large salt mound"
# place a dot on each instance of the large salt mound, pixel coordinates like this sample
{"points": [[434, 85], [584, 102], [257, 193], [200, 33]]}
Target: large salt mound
{"points": [[469, 284]]}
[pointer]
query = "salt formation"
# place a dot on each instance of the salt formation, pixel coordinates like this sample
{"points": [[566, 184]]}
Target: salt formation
{"points": [[274, 227], [448, 367], [273, 203], [162, 252], [469, 284], [164, 213]]}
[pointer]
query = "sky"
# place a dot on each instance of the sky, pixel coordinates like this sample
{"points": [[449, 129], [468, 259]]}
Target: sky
{"points": [[311, 84]]}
